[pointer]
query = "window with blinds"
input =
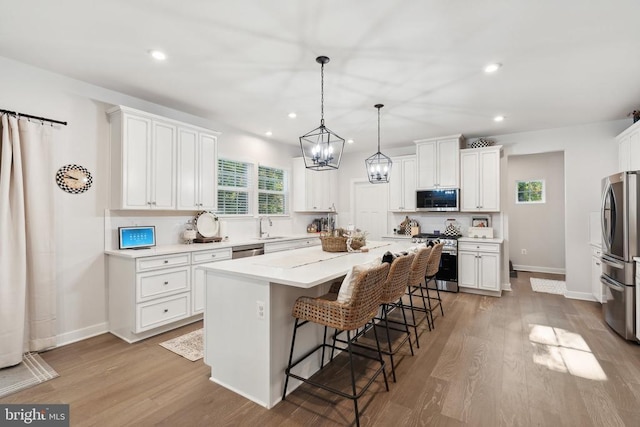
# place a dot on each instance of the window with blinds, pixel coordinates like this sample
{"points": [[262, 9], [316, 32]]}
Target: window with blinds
{"points": [[272, 191], [234, 187]]}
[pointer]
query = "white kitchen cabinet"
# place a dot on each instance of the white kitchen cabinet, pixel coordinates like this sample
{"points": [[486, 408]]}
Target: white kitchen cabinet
{"points": [[160, 163], [313, 191], [438, 162], [402, 185], [596, 271], [153, 294], [480, 179], [629, 148], [479, 266], [196, 170], [197, 275], [142, 160]]}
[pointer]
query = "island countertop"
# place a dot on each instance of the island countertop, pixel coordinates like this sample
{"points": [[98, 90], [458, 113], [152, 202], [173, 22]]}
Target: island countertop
{"points": [[301, 268]]}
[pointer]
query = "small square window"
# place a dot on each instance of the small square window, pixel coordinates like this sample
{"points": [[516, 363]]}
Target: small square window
{"points": [[530, 191]]}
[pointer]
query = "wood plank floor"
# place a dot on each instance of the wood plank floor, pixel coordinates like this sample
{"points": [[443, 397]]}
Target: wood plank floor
{"points": [[526, 359]]}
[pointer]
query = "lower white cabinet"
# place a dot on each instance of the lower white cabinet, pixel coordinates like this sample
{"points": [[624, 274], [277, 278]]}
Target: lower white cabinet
{"points": [[479, 265], [597, 287], [151, 295], [198, 276]]}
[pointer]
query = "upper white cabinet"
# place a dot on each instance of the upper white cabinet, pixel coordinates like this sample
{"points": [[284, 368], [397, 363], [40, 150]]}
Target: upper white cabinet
{"points": [[438, 162], [480, 179], [629, 148], [313, 191], [197, 178], [402, 185], [159, 163]]}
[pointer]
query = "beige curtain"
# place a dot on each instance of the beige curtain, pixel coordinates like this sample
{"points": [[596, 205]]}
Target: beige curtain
{"points": [[27, 242]]}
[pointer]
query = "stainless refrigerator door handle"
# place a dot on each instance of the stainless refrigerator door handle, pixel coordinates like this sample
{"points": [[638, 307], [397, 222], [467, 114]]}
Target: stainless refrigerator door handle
{"points": [[612, 262], [611, 283]]}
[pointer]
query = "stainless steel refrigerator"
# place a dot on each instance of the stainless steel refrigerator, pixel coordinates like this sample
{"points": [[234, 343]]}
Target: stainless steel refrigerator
{"points": [[620, 242]]}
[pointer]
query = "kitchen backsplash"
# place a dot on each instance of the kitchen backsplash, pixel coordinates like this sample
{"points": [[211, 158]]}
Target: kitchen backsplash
{"points": [[170, 225], [432, 221]]}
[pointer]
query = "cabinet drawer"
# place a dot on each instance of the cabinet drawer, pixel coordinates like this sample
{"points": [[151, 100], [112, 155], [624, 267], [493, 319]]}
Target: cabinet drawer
{"points": [[152, 262], [162, 282], [291, 244], [159, 312], [478, 247], [212, 255]]}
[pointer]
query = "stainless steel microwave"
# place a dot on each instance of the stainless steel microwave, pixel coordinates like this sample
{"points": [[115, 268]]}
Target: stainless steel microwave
{"points": [[443, 200]]}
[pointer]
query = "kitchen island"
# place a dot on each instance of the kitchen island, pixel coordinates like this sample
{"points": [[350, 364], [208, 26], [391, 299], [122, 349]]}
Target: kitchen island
{"points": [[248, 322]]}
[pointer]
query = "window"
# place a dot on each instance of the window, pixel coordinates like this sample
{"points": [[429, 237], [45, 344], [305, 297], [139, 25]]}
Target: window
{"points": [[272, 191], [531, 191], [234, 187]]}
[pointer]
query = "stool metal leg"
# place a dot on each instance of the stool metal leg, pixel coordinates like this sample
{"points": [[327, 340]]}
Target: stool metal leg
{"points": [[286, 372], [353, 377]]}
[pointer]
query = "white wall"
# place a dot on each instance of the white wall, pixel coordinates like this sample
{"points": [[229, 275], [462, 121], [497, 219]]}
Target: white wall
{"points": [[537, 228], [81, 219]]}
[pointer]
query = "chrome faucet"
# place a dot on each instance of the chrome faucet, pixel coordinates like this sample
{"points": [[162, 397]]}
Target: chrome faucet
{"points": [[263, 234]]}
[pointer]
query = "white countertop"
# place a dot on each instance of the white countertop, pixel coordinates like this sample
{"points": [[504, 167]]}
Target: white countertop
{"points": [[479, 240], [302, 268], [194, 247]]}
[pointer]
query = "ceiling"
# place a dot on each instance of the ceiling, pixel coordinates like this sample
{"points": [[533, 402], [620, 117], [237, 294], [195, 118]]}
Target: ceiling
{"points": [[248, 63]]}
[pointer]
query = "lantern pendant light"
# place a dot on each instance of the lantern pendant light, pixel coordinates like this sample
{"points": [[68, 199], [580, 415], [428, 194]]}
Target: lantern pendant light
{"points": [[378, 165], [321, 148]]}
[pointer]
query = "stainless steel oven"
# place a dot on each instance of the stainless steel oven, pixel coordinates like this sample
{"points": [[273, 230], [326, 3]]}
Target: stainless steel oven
{"points": [[447, 276], [619, 215]]}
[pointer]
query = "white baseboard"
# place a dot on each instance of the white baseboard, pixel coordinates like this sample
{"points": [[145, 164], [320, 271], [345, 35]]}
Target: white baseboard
{"points": [[537, 269], [506, 286], [585, 296], [82, 334]]}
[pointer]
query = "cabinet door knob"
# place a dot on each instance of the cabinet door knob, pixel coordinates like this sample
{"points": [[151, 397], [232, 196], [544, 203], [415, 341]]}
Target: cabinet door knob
{"points": [[213, 255], [166, 310], [166, 283], [166, 261]]}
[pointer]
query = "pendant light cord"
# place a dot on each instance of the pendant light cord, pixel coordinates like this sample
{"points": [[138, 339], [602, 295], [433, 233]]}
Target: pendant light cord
{"points": [[322, 94], [378, 129]]}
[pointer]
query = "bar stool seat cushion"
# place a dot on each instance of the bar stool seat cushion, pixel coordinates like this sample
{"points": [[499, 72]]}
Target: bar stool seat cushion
{"points": [[346, 289]]}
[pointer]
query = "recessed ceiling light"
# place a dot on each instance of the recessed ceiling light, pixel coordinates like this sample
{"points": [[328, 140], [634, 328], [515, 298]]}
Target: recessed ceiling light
{"points": [[498, 118], [159, 55], [349, 141], [292, 115], [492, 68], [268, 133]]}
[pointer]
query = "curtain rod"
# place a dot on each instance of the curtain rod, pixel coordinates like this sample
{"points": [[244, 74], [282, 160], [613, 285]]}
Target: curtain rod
{"points": [[29, 116]]}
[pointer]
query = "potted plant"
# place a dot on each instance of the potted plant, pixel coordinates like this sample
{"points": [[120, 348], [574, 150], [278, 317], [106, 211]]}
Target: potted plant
{"points": [[635, 114]]}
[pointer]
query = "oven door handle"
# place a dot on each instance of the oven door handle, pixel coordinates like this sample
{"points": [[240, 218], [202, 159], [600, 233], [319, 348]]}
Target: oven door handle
{"points": [[607, 281], [612, 262]]}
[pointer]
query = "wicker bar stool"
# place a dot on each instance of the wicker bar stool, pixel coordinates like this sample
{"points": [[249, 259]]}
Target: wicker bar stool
{"points": [[416, 276], [394, 289], [342, 316], [433, 265]]}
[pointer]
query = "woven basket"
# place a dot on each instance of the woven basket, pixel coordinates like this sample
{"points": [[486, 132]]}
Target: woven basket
{"points": [[339, 244]]}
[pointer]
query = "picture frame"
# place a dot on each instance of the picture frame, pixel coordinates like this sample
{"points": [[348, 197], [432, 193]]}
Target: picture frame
{"points": [[480, 222]]}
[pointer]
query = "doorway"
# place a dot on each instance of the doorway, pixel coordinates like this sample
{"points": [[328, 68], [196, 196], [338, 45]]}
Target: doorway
{"points": [[370, 205], [536, 225]]}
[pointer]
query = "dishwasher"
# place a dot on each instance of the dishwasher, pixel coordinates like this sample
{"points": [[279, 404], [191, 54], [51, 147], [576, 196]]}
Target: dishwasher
{"points": [[244, 251]]}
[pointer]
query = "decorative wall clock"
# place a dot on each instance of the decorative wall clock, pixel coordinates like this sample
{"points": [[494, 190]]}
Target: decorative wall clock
{"points": [[74, 179]]}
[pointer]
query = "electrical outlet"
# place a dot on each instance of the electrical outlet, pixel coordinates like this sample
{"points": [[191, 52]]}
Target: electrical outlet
{"points": [[524, 251], [260, 309]]}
